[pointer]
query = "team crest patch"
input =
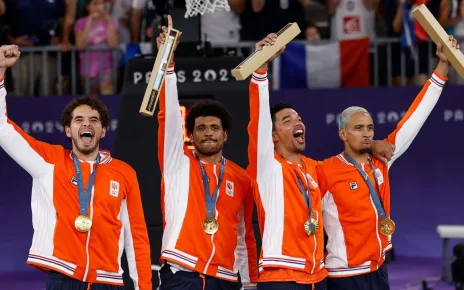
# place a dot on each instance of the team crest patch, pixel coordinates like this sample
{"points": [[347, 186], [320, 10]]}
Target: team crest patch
{"points": [[353, 185], [229, 188], [74, 180], [378, 175], [114, 188]]}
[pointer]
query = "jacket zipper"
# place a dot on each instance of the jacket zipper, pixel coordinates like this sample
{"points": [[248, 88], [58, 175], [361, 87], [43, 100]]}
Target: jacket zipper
{"points": [[376, 222], [315, 244]]}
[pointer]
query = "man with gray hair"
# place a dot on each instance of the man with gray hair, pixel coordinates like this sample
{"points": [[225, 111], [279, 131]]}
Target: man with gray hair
{"points": [[345, 116], [355, 190]]}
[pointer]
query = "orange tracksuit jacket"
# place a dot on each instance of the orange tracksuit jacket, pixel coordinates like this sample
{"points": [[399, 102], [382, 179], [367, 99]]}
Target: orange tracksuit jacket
{"points": [[115, 209], [355, 245], [232, 248], [288, 253]]}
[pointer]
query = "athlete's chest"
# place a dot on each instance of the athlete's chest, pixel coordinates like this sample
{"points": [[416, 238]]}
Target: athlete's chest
{"points": [[104, 186]]}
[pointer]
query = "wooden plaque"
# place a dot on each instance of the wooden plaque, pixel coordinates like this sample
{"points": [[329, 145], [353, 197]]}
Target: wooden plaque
{"points": [[163, 59], [439, 35], [258, 58]]}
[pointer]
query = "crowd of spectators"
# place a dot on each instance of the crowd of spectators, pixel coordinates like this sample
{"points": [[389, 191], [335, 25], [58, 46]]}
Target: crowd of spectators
{"points": [[67, 25]]}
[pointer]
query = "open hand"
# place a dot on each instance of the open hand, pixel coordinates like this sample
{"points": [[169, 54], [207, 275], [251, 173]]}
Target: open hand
{"points": [[162, 36]]}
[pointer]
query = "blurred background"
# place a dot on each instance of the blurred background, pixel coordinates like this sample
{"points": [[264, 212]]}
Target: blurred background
{"points": [[369, 53]]}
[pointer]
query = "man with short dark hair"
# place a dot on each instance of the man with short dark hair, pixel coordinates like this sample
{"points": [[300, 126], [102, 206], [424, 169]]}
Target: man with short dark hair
{"points": [[86, 205], [206, 200], [202, 112]]}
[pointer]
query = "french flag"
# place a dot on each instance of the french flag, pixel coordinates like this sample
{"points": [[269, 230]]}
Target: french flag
{"points": [[408, 35], [339, 64]]}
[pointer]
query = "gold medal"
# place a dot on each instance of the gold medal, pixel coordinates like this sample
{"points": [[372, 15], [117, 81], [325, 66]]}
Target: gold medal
{"points": [[311, 227], [210, 225], [387, 227], [83, 223]]}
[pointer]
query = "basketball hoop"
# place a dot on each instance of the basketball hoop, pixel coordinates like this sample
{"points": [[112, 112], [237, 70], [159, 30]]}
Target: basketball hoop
{"points": [[203, 6]]}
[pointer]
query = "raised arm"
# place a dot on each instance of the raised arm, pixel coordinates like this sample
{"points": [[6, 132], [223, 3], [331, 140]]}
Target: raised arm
{"points": [[408, 128], [260, 145], [170, 130], [32, 155], [136, 242], [246, 253]]}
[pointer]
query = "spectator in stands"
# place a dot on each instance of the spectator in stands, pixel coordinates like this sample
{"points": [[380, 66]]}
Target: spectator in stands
{"points": [[352, 19], [68, 22], [151, 19], [422, 39], [67, 44], [261, 17], [221, 25], [459, 27], [96, 27], [35, 23], [420, 51], [449, 15], [137, 8], [312, 32], [2, 8], [120, 11], [393, 13]]}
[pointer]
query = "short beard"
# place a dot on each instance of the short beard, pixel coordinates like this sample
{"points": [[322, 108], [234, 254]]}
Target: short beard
{"points": [[365, 150], [299, 149], [210, 151], [86, 151]]}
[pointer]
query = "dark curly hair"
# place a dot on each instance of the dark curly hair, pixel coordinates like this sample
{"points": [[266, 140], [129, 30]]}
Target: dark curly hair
{"points": [[277, 108], [92, 101], [205, 109]]}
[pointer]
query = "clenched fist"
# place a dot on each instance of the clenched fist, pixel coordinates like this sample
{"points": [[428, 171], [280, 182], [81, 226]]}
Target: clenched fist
{"points": [[9, 54]]}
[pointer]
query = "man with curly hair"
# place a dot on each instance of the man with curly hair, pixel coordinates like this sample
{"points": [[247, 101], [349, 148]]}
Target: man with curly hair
{"points": [[206, 200], [86, 205]]}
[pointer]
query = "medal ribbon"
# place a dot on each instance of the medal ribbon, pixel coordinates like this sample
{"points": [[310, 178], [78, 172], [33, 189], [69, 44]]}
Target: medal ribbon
{"points": [[372, 191], [211, 201], [84, 198], [306, 194]]}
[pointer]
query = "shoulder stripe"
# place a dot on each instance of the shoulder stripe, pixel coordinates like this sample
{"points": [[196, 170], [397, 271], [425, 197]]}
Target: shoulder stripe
{"points": [[342, 159]]}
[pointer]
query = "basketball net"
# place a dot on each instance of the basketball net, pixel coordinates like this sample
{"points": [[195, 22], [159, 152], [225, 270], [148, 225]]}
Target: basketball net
{"points": [[195, 7]]}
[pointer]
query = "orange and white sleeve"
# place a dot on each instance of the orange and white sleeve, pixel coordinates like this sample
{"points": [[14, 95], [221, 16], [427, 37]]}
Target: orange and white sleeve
{"points": [[32, 155], [170, 127], [322, 182], [136, 242], [260, 145], [246, 251], [408, 128]]}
